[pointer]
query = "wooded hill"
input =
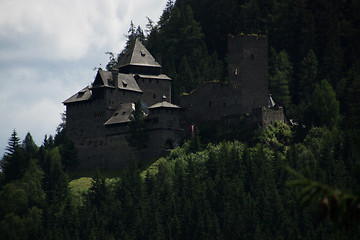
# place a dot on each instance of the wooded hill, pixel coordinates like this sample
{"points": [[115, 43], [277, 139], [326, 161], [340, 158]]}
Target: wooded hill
{"points": [[236, 185]]}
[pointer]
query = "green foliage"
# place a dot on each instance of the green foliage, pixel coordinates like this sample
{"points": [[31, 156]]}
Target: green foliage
{"points": [[338, 206], [280, 78], [324, 109], [14, 162]]}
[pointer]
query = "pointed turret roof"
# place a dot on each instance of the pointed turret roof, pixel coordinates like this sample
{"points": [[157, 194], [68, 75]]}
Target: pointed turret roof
{"points": [[164, 104], [138, 55], [271, 102]]}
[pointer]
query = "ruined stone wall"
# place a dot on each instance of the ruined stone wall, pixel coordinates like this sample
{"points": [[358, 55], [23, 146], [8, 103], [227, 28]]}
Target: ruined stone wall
{"points": [[248, 68], [263, 116], [212, 101], [272, 115]]}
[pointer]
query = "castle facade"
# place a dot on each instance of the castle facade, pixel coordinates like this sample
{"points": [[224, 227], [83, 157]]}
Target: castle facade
{"points": [[98, 115]]}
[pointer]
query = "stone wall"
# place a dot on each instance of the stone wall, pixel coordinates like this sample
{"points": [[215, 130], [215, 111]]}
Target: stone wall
{"points": [[211, 101], [248, 68], [154, 89]]}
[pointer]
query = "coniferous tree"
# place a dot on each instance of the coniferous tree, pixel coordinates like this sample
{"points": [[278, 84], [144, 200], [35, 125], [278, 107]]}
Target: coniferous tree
{"points": [[280, 79], [307, 76], [13, 163], [324, 107]]}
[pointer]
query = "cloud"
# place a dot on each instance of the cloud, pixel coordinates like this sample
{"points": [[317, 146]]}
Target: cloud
{"points": [[48, 50], [66, 29]]}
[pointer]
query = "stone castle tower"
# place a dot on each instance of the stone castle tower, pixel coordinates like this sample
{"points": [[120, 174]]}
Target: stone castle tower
{"points": [[248, 69], [98, 115], [247, 87]]}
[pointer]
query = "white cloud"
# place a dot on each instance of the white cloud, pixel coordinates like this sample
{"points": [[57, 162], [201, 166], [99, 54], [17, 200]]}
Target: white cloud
{"points": [[67, 29], [48, 50]]}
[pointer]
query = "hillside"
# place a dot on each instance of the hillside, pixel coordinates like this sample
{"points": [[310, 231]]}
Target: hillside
{"points": [[228, 186]]}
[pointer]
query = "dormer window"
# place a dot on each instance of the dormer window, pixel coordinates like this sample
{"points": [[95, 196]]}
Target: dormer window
{"points": [[124, 83], [80, 94], [142, 53]]}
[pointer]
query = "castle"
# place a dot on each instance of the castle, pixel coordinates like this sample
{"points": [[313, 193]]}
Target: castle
{"points": [[98, 115]]}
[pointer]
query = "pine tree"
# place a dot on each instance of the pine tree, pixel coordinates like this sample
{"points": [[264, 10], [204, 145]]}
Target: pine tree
{"points": [[280, 78], [307, 76], [29, 146], [14, 163], [324, 109]]}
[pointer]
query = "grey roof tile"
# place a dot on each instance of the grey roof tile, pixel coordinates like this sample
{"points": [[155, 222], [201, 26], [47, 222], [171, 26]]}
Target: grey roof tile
{"points": [[125, 81], [160, 77], [83, 95], [121, 114], [164, 104], [138, 55]]}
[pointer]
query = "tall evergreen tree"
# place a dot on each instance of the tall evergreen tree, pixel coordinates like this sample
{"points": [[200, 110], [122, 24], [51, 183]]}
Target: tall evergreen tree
{"points": [[280, 79], [13, 163], [307, 76]]}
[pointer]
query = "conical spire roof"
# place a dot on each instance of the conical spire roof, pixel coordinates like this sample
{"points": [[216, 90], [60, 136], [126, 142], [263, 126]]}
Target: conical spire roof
{"points": [[270, 102], [138, 55]]}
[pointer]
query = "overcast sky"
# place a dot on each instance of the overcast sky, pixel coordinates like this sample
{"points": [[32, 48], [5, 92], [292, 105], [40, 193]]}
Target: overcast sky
{"points": [[48, 50]]}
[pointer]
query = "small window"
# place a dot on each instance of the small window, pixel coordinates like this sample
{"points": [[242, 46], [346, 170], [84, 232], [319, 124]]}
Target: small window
{"points": [[210, 103], [80, 94], [123, 113], [236, 71], [154, 96], [157, 81], [252, 56], [224, 104]]}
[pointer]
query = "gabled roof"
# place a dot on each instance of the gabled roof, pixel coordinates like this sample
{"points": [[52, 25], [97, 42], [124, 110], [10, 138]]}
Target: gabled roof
{"points": [[138, 55], [122, 114], [164, 104], [83, 95], [125, 81]]}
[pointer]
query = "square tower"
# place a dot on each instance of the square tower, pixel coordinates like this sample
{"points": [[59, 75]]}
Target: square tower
{"points": [[248, 68]]}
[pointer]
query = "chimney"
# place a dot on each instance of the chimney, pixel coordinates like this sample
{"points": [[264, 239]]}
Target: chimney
{"points": [[115, 75]]}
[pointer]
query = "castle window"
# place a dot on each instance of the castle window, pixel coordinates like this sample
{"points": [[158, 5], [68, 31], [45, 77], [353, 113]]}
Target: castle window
{"points": [[236, 71], [157, 81], [252, 56], [123, 113], [124, 83], [224, 104], [154, 96], [80, 94], [210, 103]]}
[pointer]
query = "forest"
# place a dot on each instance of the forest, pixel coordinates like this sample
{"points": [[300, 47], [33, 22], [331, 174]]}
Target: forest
{"points": [[283, 182]]}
